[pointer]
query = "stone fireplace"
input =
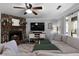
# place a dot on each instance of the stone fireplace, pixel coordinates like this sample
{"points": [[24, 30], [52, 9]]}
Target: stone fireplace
{"points": [[15, 35], [10, 32]]}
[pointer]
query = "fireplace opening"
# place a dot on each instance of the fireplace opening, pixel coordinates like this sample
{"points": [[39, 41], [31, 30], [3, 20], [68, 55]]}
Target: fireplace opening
{"points": [[15, 35]]}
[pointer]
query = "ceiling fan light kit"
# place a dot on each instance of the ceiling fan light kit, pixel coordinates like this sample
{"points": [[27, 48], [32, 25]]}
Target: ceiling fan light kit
{"points": [[25, 13], [30, 9]]}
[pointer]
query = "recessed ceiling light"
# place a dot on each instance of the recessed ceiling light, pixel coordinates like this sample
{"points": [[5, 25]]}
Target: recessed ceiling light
{"points": [[58, 7], [66, 17]]}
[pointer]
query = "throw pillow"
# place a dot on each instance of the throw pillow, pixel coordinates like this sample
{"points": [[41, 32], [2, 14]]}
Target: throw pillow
{"points": [[10, 48]]}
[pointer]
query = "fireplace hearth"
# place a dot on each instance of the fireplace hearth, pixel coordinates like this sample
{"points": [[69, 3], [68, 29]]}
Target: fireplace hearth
{"points": [[15, 35]]}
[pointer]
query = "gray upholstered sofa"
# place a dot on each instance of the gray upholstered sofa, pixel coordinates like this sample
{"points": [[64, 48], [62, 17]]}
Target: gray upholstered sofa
{"points": [[67, 45], [11, 49]]}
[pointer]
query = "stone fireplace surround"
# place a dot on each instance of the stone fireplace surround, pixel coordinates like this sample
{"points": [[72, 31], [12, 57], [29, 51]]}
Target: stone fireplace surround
{"points": [[7, 28], [15, 35]]}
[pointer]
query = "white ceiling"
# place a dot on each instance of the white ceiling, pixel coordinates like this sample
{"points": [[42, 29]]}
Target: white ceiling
{"points": [[49, 10]]}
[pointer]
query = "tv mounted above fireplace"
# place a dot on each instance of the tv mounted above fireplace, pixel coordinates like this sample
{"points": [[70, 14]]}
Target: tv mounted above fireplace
{"points": [[37, 26]]}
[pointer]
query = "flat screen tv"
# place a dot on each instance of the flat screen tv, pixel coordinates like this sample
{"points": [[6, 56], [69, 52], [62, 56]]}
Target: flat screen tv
{"points": [[37, 26]]}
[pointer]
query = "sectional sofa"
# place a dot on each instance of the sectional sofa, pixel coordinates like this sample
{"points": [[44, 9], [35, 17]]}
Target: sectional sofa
{"points": [[67, 45]]}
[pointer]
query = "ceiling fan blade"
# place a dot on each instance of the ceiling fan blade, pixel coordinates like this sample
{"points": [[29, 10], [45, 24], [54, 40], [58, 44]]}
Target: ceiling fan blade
{"points": [[25, 13], [34, 13], [19, 7], [28, 5], [37, 7]]}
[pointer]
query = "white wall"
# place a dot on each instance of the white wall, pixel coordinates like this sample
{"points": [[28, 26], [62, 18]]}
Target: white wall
{"points": [[0, 27], [62, 25], [45, 20]]}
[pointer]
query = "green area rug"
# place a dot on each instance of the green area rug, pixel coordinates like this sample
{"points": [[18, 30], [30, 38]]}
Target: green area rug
{"points": [[45, 45]]}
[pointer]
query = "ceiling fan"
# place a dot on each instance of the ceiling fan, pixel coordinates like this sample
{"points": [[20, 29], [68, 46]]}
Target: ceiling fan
{"points": [[29, 8]]}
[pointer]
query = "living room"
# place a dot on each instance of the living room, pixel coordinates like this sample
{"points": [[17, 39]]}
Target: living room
{"points": [[41, 31]]}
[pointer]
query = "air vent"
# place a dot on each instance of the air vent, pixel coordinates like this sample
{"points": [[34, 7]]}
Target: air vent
{"points": [[58, 7]]}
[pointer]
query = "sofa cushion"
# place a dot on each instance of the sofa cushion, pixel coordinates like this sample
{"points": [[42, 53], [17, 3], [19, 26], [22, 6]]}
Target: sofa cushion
{"points": [[9, 52], [70, 41], [56, 54], [27, 54], [74, 42], [26, 48], [64, 38], [65, 48], [57, 37], [10, 48], [49, 51]]}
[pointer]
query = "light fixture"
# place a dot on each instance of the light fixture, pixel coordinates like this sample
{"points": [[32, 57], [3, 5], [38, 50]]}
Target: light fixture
{"points": [[66, 17], [59, 7], [36, 23], [28, 11]]}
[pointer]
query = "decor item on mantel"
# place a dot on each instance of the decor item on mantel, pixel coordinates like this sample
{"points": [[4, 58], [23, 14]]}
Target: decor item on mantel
{"points": [[5, 21], [23, 22], [4, 36], [6, 26]]}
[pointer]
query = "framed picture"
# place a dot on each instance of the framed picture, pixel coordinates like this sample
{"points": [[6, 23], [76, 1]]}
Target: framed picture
{"points": [[49, 25]]}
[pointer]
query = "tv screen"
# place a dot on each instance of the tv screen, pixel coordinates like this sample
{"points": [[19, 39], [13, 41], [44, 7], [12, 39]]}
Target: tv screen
{"points": [[37, 26]]}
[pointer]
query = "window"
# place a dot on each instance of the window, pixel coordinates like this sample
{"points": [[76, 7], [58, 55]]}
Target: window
{"points": [[66, 26], [74, 26], [54, 28]]}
